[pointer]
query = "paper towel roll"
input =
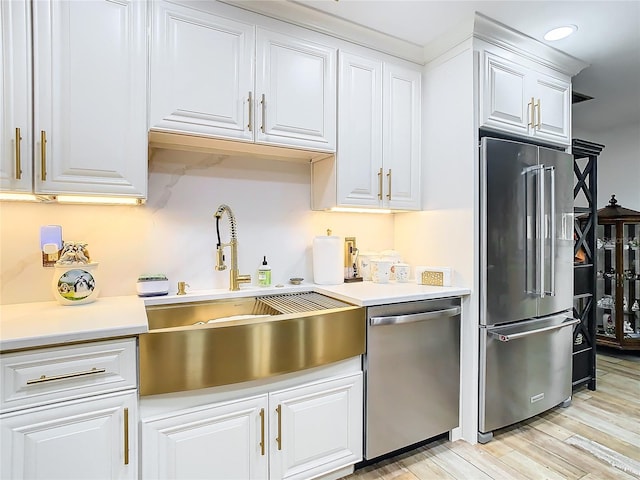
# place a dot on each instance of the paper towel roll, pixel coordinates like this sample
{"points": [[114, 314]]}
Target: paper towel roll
{"points": [[328, 255]]}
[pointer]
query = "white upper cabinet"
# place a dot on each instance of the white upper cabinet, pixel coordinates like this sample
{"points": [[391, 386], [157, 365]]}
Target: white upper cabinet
{"points": [[521, 100], [85, 132], [402, 106], [201, 73], [379, 130], [359, 131], [296, 85], [15, 113], [89, 90], [228, 78], [553, 109]]}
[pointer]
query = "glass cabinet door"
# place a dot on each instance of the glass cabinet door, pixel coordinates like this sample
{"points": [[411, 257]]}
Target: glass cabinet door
{"points": [[618, 284], [606, 281], [630, 280]]}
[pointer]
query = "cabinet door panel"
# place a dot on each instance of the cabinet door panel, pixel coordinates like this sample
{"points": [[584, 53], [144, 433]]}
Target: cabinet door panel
{"points": [[321, 428], [402, 131], [359, 131], [297, 79], [214, 442], [504, 99], [15, 97], [72, 440], [201, 72], [90, 97], [554, 122]]}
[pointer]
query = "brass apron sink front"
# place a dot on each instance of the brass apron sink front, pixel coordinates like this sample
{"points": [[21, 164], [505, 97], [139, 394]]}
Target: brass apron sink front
{"points": [[184, 352]]}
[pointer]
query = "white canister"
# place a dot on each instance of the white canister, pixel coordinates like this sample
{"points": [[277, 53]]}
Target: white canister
{"points": [[401, 271], [392, 256], [75, 284], [381, 271], [364, 264], [328, 255]]}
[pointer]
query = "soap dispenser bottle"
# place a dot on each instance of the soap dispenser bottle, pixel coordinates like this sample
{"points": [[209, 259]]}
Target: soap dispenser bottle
{"points": [[264, 274]]}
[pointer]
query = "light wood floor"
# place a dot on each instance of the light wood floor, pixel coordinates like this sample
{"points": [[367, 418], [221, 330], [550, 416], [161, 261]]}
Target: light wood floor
{"points": [[596, 437]]}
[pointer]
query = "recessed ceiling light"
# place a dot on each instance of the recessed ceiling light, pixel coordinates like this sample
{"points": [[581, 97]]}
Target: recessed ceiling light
{"points": [[560, 33]]}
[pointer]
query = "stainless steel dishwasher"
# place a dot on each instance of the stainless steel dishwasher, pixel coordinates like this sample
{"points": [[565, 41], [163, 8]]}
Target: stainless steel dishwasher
{"points": [[412, 373]]}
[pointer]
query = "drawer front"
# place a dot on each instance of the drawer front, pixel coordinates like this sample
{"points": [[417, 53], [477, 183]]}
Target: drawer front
{"points": [[46, 375]]}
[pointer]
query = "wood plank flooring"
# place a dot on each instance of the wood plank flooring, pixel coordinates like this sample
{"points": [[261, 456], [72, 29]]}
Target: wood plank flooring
{"points": [[596, 438]]}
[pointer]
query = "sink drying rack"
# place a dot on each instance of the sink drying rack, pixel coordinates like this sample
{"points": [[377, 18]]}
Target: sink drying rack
{"points": [[301, 302]]}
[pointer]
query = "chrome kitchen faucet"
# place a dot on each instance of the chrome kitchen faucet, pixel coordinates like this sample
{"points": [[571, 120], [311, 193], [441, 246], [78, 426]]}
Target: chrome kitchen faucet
{"points": [[235, 279]]}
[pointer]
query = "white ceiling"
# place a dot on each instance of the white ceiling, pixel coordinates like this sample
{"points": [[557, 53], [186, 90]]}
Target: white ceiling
{"points": [[608, 38]]}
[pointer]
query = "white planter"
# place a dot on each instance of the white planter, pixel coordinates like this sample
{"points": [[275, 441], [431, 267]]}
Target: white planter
{"points": [[75, 284]]}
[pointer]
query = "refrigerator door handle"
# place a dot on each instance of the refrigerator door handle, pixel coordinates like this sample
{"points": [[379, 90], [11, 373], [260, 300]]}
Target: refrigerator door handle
{"points": [[513, 336], [552, 233], [536, 224], [540, 229]]}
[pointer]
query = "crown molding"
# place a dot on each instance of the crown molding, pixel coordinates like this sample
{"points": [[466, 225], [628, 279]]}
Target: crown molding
{"points": [[298, 14], [498, 34]]}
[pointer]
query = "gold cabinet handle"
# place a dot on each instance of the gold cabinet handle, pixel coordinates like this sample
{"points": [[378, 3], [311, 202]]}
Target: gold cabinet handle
{"points": [[126, 436], [18, 155], [43, 154], [380, 184], [539, 115], [262, 431], [44, 378], [263, 103], [531, 113], [250, 101], [389, 181], [279, 437]]}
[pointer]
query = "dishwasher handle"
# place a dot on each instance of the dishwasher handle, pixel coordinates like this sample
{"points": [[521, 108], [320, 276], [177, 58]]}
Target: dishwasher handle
{"points": [[414, 317], [513, 336]]}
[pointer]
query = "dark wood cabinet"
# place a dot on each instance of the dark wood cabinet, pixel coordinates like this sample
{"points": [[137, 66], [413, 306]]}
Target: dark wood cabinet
{"points": [[618, 277]]}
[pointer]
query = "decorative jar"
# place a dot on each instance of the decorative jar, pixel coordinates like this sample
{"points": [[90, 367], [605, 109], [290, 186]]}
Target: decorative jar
{"points": [[75, 280]]}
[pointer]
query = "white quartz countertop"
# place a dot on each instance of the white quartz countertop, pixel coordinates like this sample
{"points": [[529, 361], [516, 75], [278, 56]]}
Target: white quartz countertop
{"points": [[363, 294], [366, 294], [29, 325]]}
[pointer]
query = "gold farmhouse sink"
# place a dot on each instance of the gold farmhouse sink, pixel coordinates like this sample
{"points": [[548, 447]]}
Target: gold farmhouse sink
{"points": [[221, 342]]}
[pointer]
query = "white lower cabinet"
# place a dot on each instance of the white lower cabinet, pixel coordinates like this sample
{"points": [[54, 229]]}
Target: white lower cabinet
{"points": [[79, 439], [70, 412], [315, 429], [305, 431], [219, 441]]}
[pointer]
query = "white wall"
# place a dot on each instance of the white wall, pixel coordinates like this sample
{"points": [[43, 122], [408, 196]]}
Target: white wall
{"points": [[446, 233], [618, 165], [174, 233]]}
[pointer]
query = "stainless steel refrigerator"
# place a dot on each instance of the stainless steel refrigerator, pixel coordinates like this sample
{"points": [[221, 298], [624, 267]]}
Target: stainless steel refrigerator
{"points": [[526, 295]]}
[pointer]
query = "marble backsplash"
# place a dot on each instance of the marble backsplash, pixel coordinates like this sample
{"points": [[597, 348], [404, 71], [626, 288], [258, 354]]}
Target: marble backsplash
{"points": [[174, 232]]}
